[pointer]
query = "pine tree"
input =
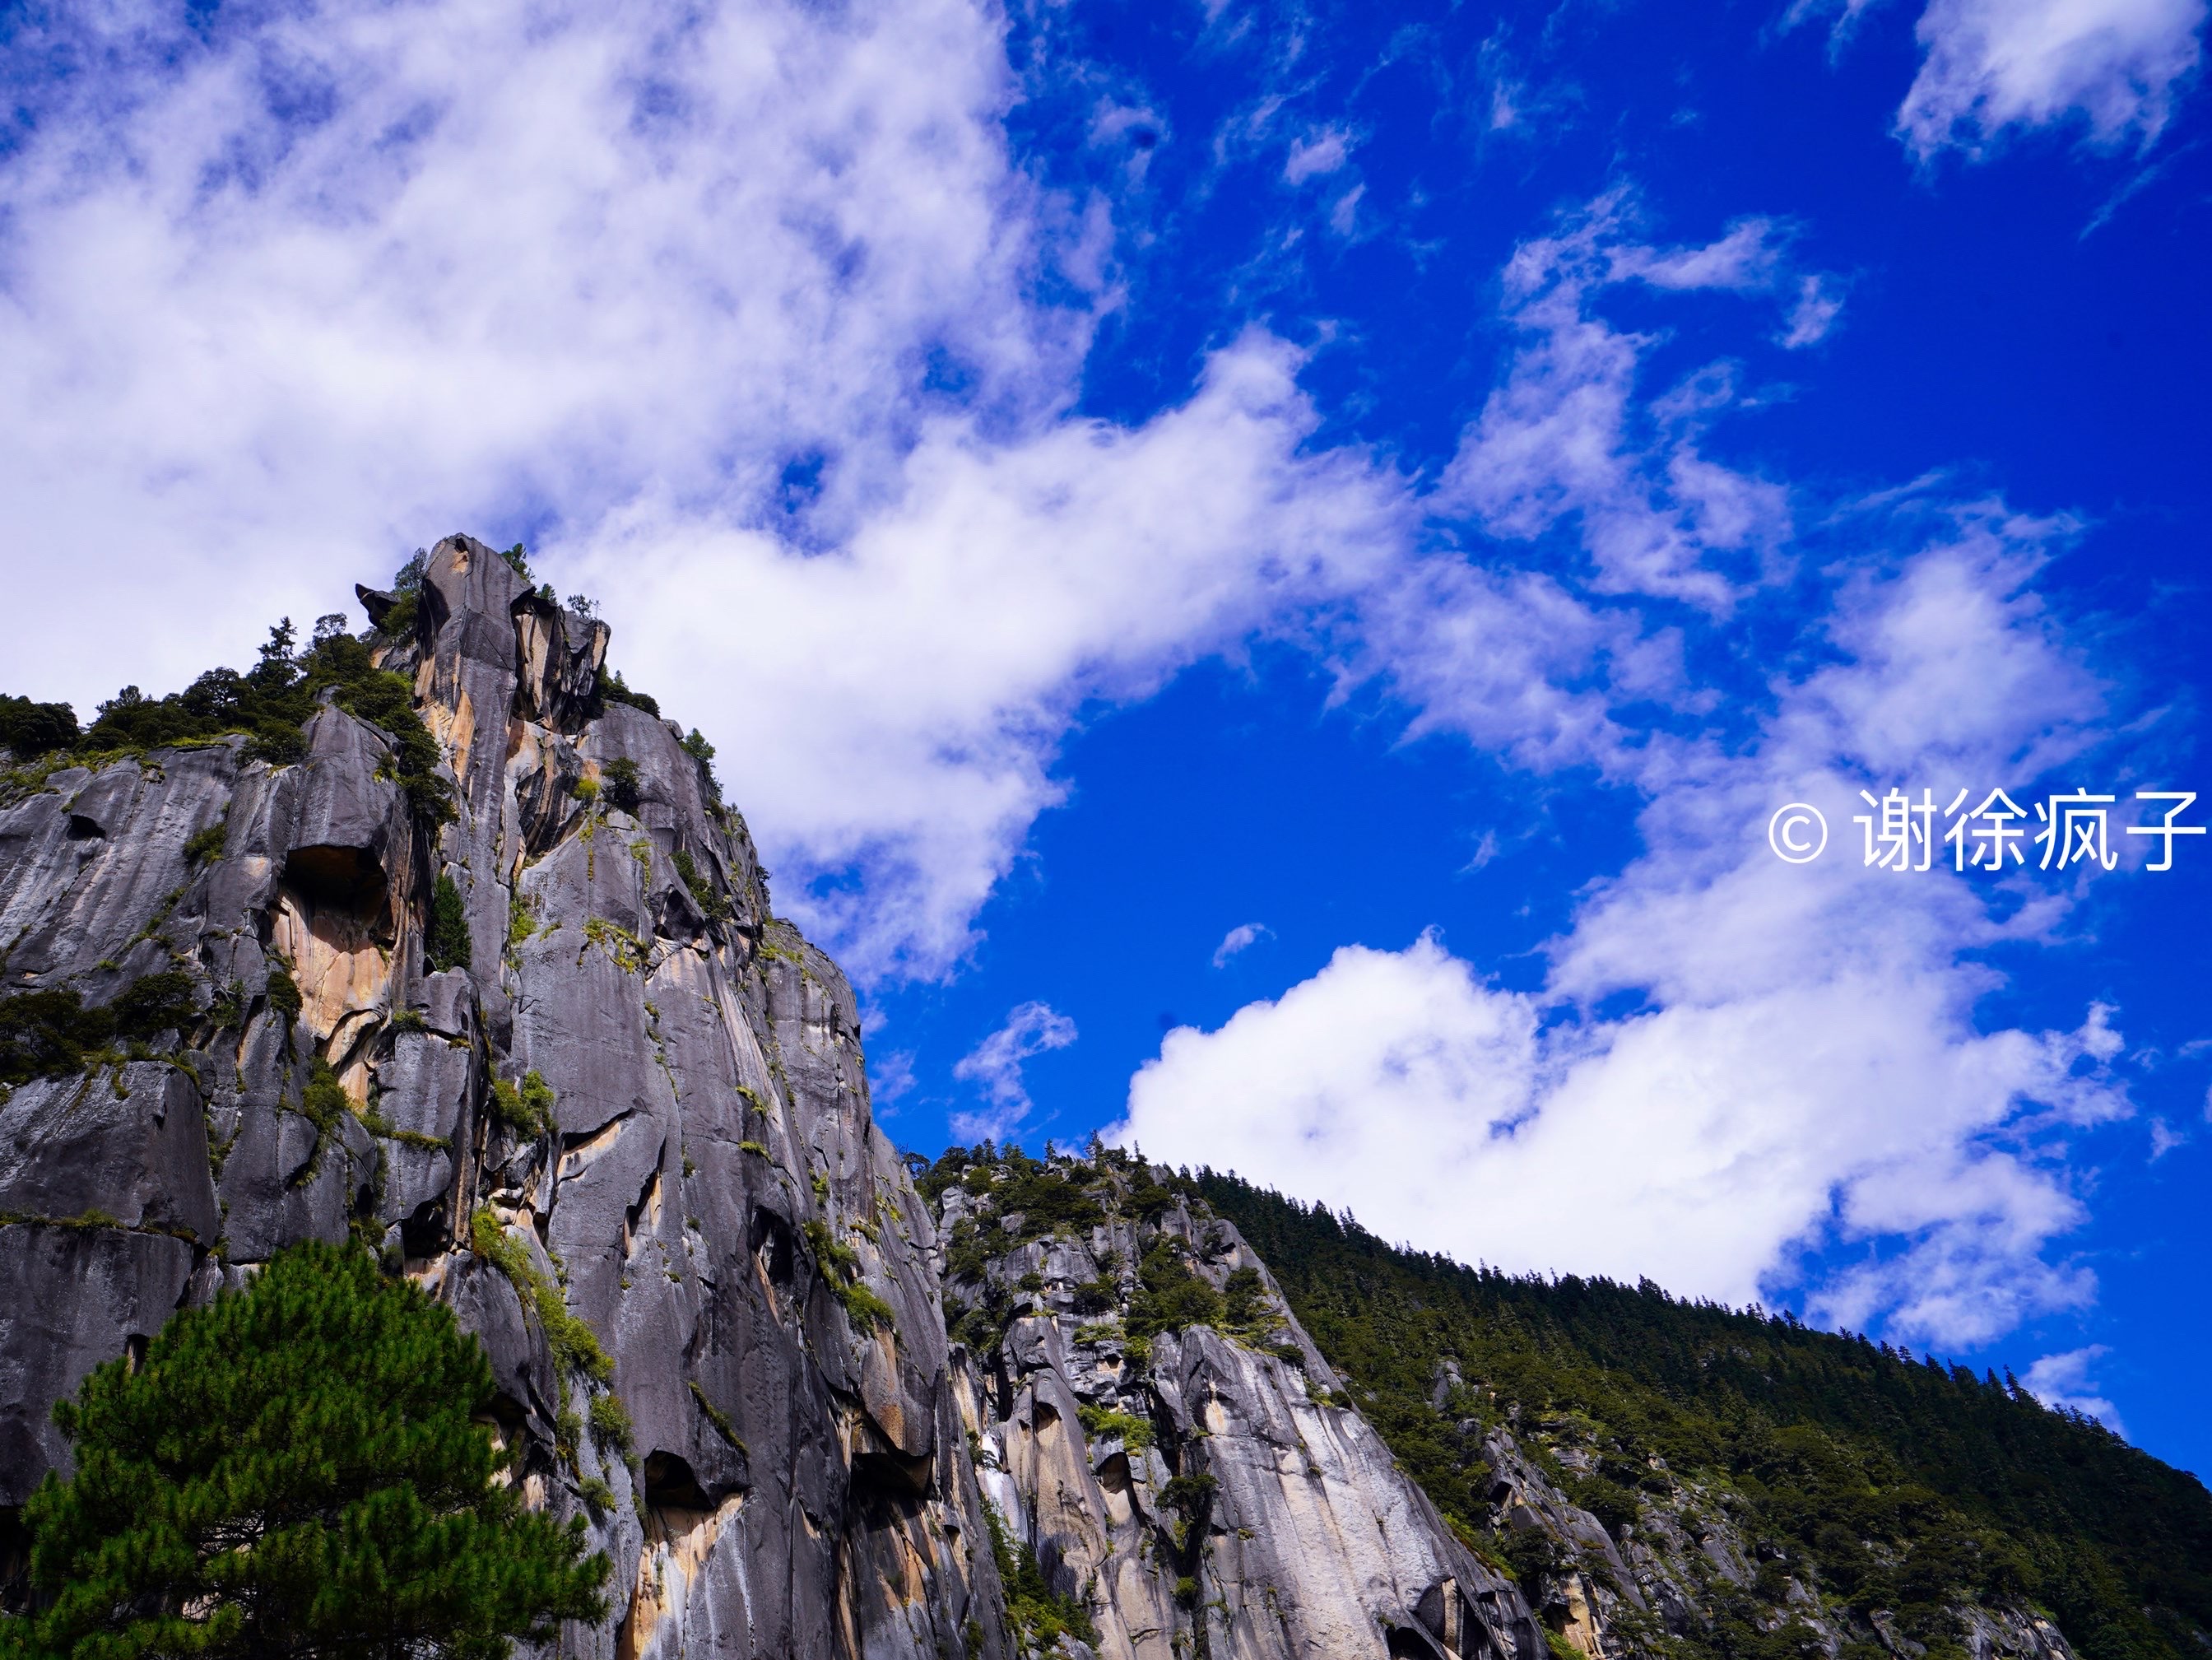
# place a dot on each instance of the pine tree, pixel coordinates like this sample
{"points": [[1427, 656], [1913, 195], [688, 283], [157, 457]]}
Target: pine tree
{"points": [[294, 1470], [447, 944]]}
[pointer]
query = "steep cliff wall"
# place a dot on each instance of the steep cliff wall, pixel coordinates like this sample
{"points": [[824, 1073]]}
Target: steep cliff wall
{"points": [[627, 1138], [502, 996], [1179, 1455]]}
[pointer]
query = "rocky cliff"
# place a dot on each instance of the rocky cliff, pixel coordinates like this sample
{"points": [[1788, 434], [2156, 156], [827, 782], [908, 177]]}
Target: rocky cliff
{"points": [[1159, 1428], [473, 965]]}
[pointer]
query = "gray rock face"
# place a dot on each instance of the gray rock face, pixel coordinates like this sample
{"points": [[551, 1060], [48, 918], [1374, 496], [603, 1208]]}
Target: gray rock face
{"points": [[129, 1145], [1203, 1490], [558, 654], [77, 1296], [706, 1190]]}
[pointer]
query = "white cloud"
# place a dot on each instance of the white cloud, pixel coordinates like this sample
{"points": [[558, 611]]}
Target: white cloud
{"points": [[1345, 216], [601, 278], [1814, 315], [1704, 1146], [523, 256], [901, 715], [1746, 260], [1804, 1071], [1560, 439], [1244, 935], [2063, 1380], [994, 1067], [1510, 659], [1316, 154], [890, 1076], [2115, 65]]}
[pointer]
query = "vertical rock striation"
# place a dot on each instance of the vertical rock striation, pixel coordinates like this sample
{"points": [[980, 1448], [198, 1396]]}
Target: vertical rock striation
{"points": [[627, 1138], [1167, 1442]]}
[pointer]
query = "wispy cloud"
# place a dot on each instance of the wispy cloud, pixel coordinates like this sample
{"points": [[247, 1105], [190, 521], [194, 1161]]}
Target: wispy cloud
{"points": [[1814, 317], [2113, 65], [2063, 1380], [2137, 182], [1317, 154], [1560, 439], [1989, 67], [994, 1067], [1240, 938], [891, 1077]]}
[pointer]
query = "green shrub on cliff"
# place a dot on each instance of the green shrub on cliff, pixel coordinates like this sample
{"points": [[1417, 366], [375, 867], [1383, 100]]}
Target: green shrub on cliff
{"points": [[703, 752], [28, 729], [447, 945], [271, 703], [46, 1033], [622, 785], [613, 690], [1040, 1615], [1169, 1296], [527, 1107]]}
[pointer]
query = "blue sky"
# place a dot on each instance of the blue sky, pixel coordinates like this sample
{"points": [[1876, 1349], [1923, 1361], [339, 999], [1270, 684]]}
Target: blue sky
{"points": [[1259, 572]]}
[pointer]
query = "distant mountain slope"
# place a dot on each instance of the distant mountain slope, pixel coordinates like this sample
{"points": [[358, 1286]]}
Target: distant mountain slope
{"points": [[1890, 1489]]}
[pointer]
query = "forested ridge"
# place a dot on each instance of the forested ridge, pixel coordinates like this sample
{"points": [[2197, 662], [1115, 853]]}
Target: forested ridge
{"points": [[1891, 1484]]}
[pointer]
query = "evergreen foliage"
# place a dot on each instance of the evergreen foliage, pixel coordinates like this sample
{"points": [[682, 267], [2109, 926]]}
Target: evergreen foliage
{"points": [[1900, 1485], [1045, 1198], [713, 904], [271, 703], [613, 690], [527, 1107], [447, 945], [703, 752], [295, 1471], [840, 1266], [1104, 1423], [1169, 1296], [407, 592], [205, 846], [28, 729], [46, 1033], [610, 1425], [324, 1101], [622, 785], [284, 994], [576, 1346], [1040, 1616]]}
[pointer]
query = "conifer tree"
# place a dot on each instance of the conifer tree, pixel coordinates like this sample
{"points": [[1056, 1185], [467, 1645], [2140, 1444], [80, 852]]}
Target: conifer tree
{"points": [[294, 1470]]}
